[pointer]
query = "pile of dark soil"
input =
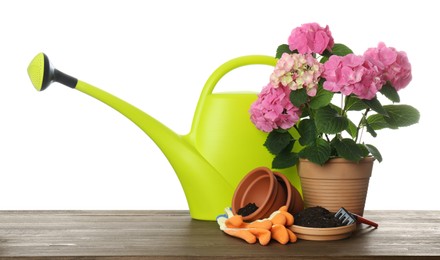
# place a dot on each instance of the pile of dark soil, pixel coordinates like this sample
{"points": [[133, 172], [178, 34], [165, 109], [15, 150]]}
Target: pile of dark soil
{"points": [[247, 210], [317, 217]]}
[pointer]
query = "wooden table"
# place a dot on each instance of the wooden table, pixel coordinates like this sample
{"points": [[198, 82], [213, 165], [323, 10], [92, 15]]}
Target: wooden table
{"points": [[174, 235]]}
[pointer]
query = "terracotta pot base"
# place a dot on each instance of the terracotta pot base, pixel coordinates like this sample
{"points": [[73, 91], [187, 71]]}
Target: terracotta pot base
{"points": [[294, 201]]}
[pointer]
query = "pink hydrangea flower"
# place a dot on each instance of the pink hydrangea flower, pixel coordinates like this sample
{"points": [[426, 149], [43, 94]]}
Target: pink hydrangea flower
{"points": [[311, 38], [352, 74], [392, 63], [297, 71], [273, 109]]}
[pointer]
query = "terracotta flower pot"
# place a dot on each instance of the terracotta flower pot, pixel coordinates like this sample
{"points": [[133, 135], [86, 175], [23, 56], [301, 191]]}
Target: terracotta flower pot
{"points": [[268, 190], [294, 201], [338, 183]]}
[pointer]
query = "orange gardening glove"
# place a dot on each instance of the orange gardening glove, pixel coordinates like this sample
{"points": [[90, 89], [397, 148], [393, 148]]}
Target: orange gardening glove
{"points": [[281, 221], [276, 227], [234, 225]]}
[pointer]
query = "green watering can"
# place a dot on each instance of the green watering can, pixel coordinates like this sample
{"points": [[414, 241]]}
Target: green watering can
{"points": [[221, 148]]}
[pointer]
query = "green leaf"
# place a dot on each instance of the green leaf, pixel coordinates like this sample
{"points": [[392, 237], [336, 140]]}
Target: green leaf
{"points": [[326, 53], [370, 129], [377, 122], [398, 116], [305, 113], [374, 151], [307, 131], [277, 141], [283, 48], [321, 99], [328, 121], [391, 93], [375, 105], [336, 108], [289, 147], [353, 103], [298, 97], [364, 149], [351, 129], [341, 50], [324, 59], [401, 115], [348, 149], [285, 160], [318, 153]]}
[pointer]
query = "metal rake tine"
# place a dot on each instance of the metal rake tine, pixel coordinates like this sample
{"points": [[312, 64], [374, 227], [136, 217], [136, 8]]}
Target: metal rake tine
{"points": [[345, 216], [353, 218]]}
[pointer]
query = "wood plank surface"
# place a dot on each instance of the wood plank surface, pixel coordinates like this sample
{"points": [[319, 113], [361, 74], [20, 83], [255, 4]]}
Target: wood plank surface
{"points": [[174, 235]]}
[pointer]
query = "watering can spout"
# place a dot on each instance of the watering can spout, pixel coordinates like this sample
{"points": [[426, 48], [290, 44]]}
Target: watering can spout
{"points": [[197, 176]]}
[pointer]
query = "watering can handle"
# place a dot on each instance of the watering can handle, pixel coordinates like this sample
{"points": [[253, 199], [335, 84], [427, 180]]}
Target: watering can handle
{"points": [[225, 68], [233, 64]]}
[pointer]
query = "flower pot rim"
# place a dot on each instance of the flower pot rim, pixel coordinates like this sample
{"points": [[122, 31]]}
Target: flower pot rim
{"points": [[337, 168], [343, 160]]}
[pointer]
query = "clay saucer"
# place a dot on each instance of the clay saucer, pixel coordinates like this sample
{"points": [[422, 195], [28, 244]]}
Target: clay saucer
{"points": [[323, 234]]}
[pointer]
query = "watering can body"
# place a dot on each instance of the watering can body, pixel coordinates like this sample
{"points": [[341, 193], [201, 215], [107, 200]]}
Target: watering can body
{"points": [[221, 148], [223, 133], [232, 144]]}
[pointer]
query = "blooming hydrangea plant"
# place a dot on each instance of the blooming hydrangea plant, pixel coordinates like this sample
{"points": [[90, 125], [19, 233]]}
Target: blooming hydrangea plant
{"points": [[299, 98]]}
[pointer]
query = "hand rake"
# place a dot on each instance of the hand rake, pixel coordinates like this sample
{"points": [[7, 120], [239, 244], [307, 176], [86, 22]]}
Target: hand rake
{"points": [[350, 218]]}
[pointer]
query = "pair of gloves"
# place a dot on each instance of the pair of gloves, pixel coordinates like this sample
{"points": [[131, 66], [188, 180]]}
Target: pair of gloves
{"points": [[276, 227]]}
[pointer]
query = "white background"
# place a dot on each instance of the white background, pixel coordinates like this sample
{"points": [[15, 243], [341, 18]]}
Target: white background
{"points": [[61, 149]]}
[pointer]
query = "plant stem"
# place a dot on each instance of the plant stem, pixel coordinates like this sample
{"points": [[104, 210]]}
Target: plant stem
{"points": [[342, 105], [361, 124]]}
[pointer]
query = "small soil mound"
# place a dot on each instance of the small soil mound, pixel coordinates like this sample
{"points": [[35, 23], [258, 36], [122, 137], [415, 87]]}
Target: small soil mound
{"points": [[317, 217], [247, 210]]}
